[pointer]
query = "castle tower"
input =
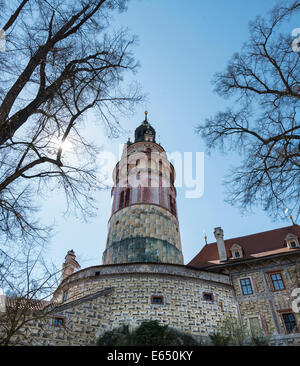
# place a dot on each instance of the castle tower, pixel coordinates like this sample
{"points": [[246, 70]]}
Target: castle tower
{"points": [[143, 226]]}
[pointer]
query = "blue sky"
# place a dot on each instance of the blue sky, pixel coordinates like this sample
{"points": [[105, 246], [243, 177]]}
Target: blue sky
{"points": [[181, 45]]}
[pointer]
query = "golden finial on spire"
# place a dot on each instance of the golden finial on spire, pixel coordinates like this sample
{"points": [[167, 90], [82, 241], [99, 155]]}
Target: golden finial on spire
{"points": [[146, 114], [205, 236], [291, 218]]}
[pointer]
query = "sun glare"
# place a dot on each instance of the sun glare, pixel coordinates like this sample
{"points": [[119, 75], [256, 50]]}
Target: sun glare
{"points": [[66, 145]]}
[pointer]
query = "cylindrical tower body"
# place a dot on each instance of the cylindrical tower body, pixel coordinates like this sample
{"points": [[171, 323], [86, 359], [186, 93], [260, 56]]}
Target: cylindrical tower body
{"points": [[143, 226]]}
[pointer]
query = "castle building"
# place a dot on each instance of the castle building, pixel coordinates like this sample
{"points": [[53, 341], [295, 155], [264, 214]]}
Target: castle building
{"points": [[143, 276]]}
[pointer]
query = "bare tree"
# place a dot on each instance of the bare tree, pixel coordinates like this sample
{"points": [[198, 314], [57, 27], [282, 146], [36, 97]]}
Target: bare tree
{"points": [[28, 283], [61, 61], [263, 125]]}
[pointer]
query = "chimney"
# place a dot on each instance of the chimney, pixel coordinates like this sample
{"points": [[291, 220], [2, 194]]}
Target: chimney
{"points": [[70, 264], [219, 235]]}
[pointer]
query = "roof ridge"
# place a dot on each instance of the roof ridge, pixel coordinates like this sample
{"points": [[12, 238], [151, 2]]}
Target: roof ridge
{"points": [[261, 232]]}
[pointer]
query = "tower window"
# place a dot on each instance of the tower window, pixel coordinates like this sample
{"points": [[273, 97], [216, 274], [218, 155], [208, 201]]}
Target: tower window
{"points": [[121, 204], [137, 162], [157, 300], [160, 166], [127, 197], [172, 204]]}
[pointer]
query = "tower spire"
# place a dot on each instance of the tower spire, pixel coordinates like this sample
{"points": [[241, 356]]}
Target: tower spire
{"points": [[146, 114]]}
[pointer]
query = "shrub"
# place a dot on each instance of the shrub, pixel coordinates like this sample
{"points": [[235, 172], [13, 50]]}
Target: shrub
{"points": [[116, 337], [149, 333], [234, 333], [218, 339]]}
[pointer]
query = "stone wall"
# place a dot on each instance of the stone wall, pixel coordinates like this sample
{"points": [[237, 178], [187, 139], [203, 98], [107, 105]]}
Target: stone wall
{"points": [[101, 303]]}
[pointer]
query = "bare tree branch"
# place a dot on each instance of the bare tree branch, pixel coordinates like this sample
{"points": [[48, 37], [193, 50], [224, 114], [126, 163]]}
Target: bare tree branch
{"points": [[264, 124]]}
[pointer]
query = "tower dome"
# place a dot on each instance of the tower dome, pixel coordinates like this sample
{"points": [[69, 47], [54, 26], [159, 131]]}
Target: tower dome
{"points": [[143, 226], [145, 132]]}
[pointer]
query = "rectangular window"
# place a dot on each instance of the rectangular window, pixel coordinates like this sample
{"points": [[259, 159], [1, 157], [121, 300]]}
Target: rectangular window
{"points": [[157, 299], [208, 296], [290, 323], [246, 286], [277, 281], [59, 321]]}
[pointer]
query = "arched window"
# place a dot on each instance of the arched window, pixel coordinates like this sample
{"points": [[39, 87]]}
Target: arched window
{"points": [[121, 204], [127, 197], [172, 204], [160, 166]]}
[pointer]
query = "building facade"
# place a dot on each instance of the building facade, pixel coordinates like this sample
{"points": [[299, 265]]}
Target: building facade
{"points": [[143, 276], [264, 270]]}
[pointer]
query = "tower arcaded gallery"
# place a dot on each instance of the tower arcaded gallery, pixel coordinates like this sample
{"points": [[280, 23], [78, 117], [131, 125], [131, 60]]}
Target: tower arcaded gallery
{"points": [[143, 226]]}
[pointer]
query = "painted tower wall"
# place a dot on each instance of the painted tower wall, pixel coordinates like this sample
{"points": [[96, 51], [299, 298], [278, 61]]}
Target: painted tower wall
{"points": [[143, 233], [143, 226]]}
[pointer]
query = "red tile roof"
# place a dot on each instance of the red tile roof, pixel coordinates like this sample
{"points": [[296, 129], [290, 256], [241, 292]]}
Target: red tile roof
{"points": [[254, 246], [20, 303]]}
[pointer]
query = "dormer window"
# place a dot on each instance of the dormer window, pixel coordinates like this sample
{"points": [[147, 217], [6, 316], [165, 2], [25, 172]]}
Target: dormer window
{"points": [[236, 251], [292, 241], [293, 244]]}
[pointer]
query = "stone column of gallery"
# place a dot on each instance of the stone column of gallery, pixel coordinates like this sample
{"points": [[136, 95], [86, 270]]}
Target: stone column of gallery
{"points": [[143, 226]]}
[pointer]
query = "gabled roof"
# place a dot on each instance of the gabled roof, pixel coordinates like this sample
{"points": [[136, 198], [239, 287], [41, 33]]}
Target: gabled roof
{"points": [[254, 246]]}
